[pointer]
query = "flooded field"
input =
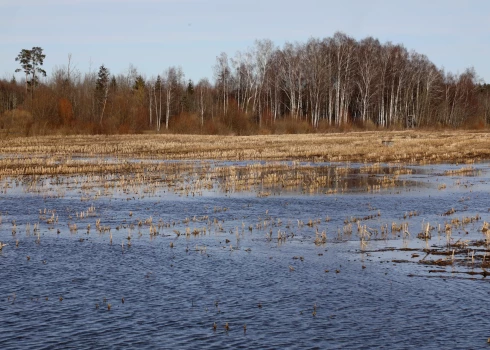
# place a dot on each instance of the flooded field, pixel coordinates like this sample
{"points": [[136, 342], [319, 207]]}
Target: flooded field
{"points": [[245, 254]]}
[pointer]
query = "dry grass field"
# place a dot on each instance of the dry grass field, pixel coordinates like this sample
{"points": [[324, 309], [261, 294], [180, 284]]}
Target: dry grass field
{"points": [[52, 155], [399, 146]]}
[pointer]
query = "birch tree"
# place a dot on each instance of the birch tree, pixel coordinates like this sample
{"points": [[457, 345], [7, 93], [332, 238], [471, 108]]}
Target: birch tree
{"points": [[171, 80], [222, 75], [203, 88], [367, 67], [344, 49], [263, 52], [292, 77]]}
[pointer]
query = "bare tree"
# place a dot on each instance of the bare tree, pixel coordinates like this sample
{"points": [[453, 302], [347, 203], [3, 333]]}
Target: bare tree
{"points": [[292, 77], [203, 88], [171, 80], [222, 75], [344, 49], [263, 52], [367, 67]]}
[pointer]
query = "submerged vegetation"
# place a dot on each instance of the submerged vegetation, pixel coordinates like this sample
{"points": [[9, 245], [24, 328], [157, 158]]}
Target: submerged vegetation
{"points": [[330, 84]]}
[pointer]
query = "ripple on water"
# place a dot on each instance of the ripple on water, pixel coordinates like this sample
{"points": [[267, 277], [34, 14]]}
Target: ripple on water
{"points": [[173, 296]]}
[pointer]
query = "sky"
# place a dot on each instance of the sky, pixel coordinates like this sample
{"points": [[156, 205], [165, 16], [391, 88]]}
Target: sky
{"points": [[153, 35]]}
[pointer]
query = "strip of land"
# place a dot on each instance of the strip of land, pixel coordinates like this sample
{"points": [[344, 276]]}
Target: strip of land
{"points": [[399, 147]]}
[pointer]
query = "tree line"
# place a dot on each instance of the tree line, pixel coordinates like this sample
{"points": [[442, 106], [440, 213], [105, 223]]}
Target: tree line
{"points": [[332, 83]]}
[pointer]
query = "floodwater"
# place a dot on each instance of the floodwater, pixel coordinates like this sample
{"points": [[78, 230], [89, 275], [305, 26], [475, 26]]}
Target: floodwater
{"points": [[237, 258]]}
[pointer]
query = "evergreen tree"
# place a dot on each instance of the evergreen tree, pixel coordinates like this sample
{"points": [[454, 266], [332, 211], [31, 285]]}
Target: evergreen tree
{"points": [[139, 83], [158, 101], [113, 86], [102, 89], [24, 58], [190, 87], [37, 58], [31, 62]]}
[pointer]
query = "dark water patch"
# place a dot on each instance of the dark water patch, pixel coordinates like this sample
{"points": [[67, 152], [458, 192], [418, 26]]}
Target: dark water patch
{"points": [[375, 294]]}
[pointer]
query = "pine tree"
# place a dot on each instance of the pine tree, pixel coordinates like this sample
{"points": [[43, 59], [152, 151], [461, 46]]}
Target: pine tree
{"points": [[31, 62], [37, 58], [24, 58]]}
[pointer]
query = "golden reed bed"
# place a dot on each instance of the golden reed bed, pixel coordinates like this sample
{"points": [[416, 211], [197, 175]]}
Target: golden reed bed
{"points": [[397, 146]]}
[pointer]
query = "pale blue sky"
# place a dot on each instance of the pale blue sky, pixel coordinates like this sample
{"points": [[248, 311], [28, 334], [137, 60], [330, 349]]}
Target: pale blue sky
{"points": [[156, 34]]}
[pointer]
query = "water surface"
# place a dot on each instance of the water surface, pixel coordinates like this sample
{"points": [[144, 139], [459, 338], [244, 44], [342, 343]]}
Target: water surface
{"points": [[228, 265]]}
